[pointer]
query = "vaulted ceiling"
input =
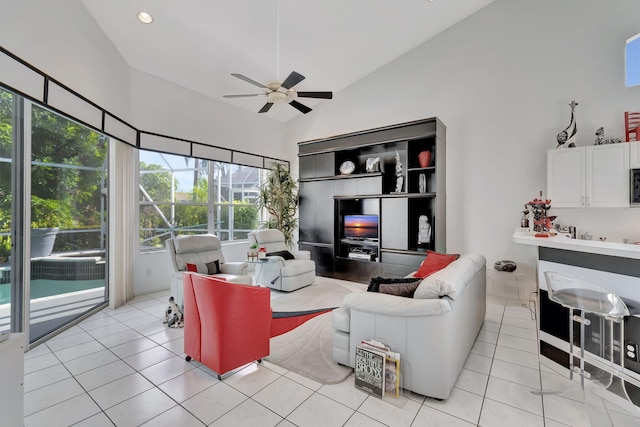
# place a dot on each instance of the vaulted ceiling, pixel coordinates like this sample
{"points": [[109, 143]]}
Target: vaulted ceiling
{"points": [[333, 43]]}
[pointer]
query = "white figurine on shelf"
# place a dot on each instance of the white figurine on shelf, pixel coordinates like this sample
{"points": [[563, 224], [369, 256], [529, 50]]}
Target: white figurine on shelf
{"points": [[399, 177], [530, 217], [424, 230]]}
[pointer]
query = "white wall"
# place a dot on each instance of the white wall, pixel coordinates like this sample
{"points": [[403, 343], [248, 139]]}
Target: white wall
{"points": [[62, 39], [501, 81]]}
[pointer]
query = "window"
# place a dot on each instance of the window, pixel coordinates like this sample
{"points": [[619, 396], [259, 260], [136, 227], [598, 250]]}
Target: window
{"points": [[176, 198]]}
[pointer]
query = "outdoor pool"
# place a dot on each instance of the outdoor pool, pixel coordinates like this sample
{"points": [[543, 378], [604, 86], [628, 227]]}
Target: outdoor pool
{"points": [[46, 287]]}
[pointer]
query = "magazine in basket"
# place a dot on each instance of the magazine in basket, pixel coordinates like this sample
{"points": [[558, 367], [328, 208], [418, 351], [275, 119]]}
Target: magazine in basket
{"points": [[369, 370], [392, 366]]}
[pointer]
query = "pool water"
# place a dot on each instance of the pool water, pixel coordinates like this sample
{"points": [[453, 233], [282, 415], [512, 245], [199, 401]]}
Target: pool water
{"points": [[45, 288]]}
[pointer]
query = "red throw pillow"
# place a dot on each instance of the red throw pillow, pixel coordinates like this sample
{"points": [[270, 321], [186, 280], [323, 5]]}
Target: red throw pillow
{"points": [[192, 267], [434, 262]]}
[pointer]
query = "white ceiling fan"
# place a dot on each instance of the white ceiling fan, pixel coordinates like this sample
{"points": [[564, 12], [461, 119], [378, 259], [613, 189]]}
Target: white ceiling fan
{"points": [[281, 92]]}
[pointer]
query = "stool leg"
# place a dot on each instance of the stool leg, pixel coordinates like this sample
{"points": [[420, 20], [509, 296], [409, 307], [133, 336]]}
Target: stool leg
{"points": [[582, 340], [611, 362], [622, 349], [570, 344]]}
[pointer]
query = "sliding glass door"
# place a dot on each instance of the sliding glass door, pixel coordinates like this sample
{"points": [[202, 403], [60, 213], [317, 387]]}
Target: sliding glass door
{"points": [[53, 225], [8, 126], [68, 220]]}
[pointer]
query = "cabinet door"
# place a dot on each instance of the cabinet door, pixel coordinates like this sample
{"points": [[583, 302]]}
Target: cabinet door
{"points": [[325, 164], [369, 185], [566, 177], [307, 212], [324, 211], [307, 167], [345, 187], [634, 155], [607, 175], [394, 232], [316, 212]]}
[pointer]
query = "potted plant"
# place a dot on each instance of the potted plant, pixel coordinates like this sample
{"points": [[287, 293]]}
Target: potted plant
{"points": [[253, 252], [279, 196], [46, 217]]}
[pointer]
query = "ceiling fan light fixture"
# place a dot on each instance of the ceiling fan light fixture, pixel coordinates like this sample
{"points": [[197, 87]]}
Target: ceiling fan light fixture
{"points": [[277, 97], [145, 17]]}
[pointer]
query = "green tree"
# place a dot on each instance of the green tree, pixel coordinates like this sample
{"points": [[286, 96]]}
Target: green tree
{"points": [[74, 194], [279, 196], [61, 196]]}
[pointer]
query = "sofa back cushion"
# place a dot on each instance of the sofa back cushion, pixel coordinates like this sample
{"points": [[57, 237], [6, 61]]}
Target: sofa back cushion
{"points": [[197, 249], [271, 239], [452, 280]]}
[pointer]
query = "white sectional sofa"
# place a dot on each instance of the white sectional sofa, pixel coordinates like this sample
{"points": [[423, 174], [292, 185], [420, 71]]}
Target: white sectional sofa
{"points": [[433, 331]]}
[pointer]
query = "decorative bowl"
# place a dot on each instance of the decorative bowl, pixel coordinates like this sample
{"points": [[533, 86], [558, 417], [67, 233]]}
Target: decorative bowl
{"points": [[505, 265], [347, 167]]}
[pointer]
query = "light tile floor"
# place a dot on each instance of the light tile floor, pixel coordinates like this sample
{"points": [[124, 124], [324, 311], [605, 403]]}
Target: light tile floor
{"points": [[124, 367]]}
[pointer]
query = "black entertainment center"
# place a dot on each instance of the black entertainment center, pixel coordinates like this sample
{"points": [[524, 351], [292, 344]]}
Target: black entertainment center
{"points": [[352, 218]]}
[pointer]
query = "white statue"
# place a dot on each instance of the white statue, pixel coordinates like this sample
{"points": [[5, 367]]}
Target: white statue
{"points": [[424, 230], [399, 177]]}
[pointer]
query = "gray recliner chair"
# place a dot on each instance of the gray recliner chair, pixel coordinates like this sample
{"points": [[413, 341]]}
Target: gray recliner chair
{"points": [[199, 250], [293, 273]]}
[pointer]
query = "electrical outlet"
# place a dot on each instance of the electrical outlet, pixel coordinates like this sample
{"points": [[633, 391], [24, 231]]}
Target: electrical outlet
{"points": [[631, 351]]}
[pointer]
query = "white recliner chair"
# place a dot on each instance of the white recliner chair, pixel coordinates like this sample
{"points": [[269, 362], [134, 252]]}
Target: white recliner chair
{"points": [[199, 250], [293, 273]]}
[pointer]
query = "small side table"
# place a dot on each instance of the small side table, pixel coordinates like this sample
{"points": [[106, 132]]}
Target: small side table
{"points": [[513, 279], [260, 266]]}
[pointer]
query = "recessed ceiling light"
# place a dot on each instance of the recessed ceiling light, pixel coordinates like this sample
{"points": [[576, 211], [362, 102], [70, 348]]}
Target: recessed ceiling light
{"points": [[145, 17]]}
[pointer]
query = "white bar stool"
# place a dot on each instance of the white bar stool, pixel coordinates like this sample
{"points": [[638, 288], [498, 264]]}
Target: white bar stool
{"points": [[575, 293]]}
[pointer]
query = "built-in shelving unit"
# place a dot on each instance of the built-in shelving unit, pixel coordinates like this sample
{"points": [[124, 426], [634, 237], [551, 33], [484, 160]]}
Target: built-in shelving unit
{"points": [[328, 198]]}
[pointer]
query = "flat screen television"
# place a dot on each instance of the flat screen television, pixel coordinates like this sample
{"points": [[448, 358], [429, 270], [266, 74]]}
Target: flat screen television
{"points": [[360, 227]]}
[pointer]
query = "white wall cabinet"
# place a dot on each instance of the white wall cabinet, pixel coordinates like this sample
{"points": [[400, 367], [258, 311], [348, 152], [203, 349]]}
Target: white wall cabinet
{"points": [[594, 176], [634, 155]]}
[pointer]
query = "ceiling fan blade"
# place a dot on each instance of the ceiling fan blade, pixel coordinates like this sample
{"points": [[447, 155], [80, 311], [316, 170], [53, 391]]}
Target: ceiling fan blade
{"points": [[248, 80], [323, 95], [266, 107], [243, 96], [293, 79], [300, 107]]}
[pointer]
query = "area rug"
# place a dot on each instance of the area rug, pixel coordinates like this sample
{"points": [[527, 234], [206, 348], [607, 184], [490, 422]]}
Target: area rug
{"points": [[308, 349], [324, 293]]}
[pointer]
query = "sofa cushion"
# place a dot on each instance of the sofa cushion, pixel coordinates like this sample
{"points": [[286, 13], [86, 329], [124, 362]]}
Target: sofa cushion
{"points": [[376, 282], [433, 262], [452, 280], [196, 243], [283, 254], [400, 289], [213, 267], [295, 267]]}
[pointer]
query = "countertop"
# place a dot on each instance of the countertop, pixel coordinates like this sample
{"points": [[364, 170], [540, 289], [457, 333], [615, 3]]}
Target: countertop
{"points": [[561, 241]]}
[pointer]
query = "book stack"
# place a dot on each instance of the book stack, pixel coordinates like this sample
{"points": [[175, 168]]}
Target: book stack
{"points": [[377, 369]]}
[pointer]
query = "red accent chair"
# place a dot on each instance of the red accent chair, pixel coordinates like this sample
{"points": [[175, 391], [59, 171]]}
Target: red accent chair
{"points": [[226, 325]]}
